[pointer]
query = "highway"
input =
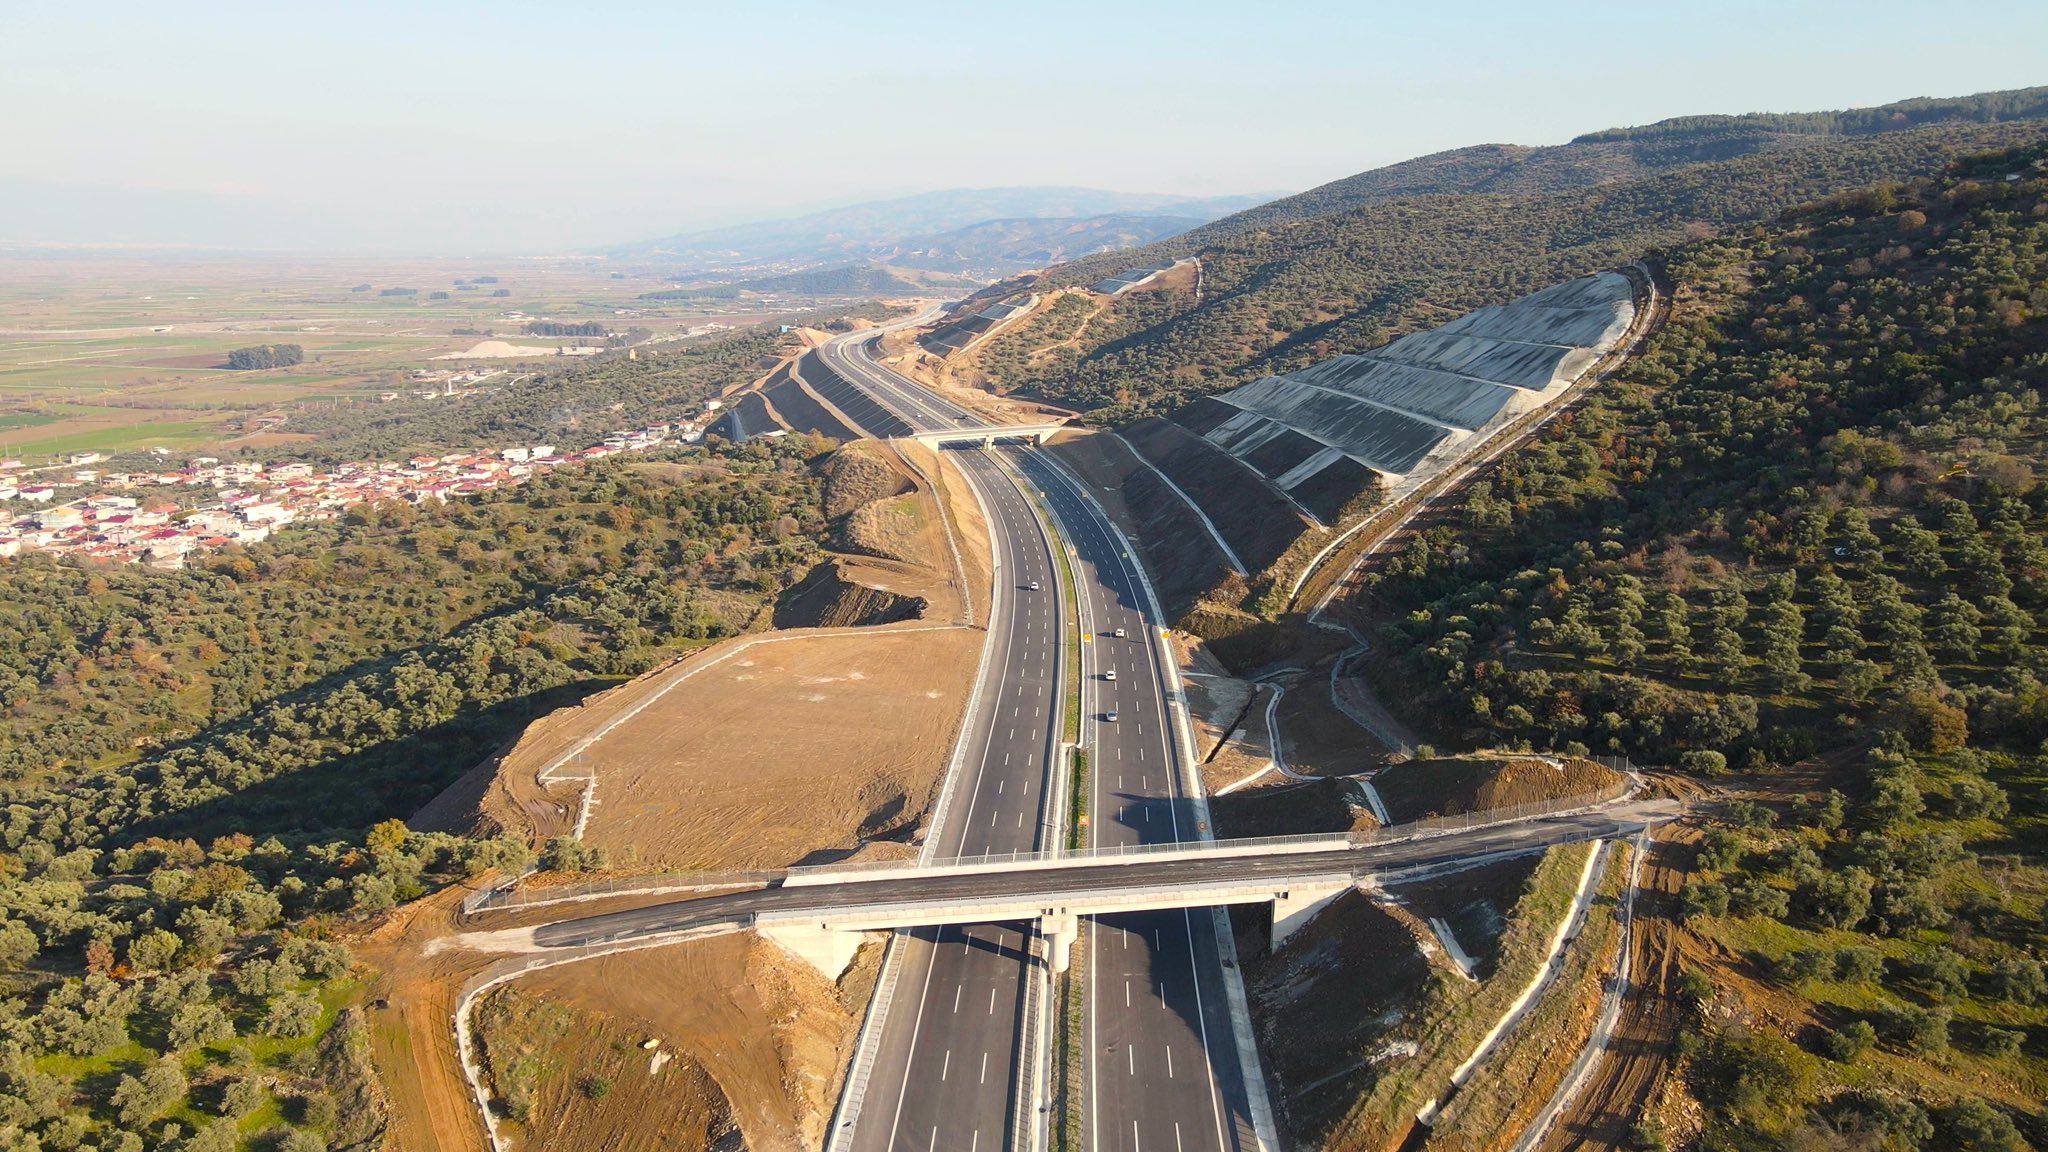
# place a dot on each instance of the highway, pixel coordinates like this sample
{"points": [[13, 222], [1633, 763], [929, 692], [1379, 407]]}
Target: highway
{"points": [[1163, 1069], [945, 1072]]}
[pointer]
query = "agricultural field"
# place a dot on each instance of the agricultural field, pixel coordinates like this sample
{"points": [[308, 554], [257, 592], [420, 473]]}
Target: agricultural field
{"points": [[119, 353]]}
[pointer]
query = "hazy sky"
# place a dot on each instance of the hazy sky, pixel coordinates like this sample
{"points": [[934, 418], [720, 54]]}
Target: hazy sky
{"points": [[511, 126]]}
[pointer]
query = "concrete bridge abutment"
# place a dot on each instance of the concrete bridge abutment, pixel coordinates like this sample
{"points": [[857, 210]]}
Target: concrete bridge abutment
{"points": [[1299, 904], [829, 950]]}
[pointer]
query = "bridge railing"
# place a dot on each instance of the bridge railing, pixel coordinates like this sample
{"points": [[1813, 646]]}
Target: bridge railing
{"points": [[653, 884], [518, 895], [1248, 845]]}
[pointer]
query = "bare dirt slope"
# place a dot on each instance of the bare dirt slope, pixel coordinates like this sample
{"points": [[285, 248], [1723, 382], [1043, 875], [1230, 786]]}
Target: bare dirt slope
{"points": [[1454, 784], [770, 1032], [1326, 1004], [1179, 552], [788, 749]]}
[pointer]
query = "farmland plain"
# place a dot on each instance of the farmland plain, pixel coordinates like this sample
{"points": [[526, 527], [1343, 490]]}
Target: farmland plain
{"points": [[121, 353]]}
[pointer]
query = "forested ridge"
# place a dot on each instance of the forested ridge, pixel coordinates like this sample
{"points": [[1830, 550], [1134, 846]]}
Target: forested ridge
{"points": [[1348, 266], [1805, 526], [204, 770]]}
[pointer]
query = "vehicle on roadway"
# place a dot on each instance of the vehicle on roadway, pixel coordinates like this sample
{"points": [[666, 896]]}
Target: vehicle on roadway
{"points": [[1034, 585], [1119, 633], [1109, 675], [1110, 716]]}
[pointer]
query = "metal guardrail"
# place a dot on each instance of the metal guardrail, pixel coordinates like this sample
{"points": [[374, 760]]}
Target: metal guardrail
{"points": [[649, 884]]}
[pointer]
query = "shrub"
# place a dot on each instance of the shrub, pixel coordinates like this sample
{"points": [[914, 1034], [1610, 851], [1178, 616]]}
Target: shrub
{"points": [[1999, 1043], [1847, 1043], [1704, 898], [1703, 762], [1858, 964], [2018, 979], [1974, 1126]]}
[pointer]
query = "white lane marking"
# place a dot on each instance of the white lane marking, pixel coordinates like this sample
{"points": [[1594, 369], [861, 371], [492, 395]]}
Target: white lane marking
{"points": [[1169, 1061], [956, 996], [991, 1006], [1020, 819], [935, 1137], [917, 1023], [984, 1067], [947, 1066], [1176, 1136], [1130, 1050]]}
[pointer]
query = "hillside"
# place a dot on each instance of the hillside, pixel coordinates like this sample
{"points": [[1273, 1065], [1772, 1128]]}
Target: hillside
{"points": [[1798, 546], [995, 248], [1343, 267], [882, 230]]}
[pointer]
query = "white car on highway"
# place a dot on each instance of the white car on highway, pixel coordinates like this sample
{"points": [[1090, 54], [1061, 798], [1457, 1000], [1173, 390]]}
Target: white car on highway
{"points": [[1119, 633], [1109, 675], [1110, 716]]}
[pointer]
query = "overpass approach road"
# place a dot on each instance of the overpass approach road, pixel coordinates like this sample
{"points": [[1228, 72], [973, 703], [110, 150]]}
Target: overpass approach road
{"points": [[871, 899]]}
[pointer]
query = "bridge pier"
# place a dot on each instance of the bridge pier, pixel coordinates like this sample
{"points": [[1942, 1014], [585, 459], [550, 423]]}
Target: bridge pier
{"points": [[825, 948], [1294, 908], [1059, 930]]}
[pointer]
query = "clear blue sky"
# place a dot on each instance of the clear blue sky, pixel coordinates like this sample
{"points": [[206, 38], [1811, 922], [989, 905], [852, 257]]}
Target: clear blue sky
{"points": [[515, 126]]}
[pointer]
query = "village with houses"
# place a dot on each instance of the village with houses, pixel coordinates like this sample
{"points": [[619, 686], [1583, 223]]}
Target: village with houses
{"points": [[128, 516]]}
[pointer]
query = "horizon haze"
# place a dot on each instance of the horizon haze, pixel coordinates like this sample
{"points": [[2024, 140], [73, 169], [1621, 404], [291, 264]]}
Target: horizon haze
{"points": [[498, 130]]}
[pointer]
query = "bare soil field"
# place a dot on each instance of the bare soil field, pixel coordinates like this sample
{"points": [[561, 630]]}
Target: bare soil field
{"points": [[770, 1034], [1324, 1007], [1320, 740], [1454, 784], [579, 1079], [1291, 808], [794, 747]]}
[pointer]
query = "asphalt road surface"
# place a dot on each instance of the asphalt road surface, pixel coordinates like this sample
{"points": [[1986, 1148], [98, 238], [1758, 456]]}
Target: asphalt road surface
{"points": [[1162, 1065], [1163, 1070], [946, 1074]]}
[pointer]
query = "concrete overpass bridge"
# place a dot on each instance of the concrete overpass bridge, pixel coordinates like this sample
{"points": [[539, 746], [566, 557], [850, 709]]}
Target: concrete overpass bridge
{"points": [[820, 913], [987, 435]]}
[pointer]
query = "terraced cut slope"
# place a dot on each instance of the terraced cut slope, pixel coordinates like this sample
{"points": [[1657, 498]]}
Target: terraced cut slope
{"points": [[1410, 409]]}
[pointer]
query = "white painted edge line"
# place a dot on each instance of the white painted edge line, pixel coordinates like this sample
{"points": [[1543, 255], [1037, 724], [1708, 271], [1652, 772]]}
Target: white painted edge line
{"points": [[866, 1046], [962, 738]]}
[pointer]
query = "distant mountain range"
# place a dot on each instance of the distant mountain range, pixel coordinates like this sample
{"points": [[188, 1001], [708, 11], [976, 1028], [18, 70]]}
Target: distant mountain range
{"points": [[981, 232]]}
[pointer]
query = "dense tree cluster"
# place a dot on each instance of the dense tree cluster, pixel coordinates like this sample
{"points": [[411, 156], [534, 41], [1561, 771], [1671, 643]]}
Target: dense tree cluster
{"points": [[357, 650], [261, 356], [197, 764], [1811, 504], [564, 328]]}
